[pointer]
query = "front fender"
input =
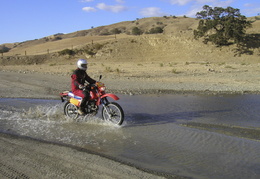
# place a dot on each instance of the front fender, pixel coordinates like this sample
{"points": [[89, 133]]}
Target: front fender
{"points": [[114, 97]]}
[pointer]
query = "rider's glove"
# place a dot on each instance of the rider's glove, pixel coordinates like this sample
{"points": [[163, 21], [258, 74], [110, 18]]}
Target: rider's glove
{"points": [[81, 86]]}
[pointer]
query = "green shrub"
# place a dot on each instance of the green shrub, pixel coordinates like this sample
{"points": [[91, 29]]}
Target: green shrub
{"points": [[115, 31], [155, 30], [97, 46], [137, 31], [4, 49], [175, 71], [67, 52]]}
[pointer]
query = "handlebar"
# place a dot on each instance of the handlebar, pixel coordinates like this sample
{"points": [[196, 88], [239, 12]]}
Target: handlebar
{"points": [[89, 86]]}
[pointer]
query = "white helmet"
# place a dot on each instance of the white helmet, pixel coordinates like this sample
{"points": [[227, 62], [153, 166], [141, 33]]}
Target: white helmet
{"points": [[82, 64]]}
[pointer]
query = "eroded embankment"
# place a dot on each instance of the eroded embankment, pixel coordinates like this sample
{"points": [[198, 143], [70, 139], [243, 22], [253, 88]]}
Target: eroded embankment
{"points": [[237, 131]]}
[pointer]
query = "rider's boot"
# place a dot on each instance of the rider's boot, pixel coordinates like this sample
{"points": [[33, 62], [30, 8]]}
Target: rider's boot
{"points": [[81, 111]]}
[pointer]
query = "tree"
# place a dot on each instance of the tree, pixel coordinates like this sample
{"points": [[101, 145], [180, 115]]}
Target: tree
{"points": [[156, 30], [115, 31], [136, 31], [67, 52], [221, 26], [4, 49]]}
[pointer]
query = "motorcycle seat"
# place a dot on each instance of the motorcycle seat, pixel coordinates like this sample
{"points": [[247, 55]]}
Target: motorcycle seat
{"points": [[70, 94]]}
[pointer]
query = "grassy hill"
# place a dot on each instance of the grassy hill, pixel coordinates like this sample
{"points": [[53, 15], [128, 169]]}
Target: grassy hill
{"points": [[176, 43]]}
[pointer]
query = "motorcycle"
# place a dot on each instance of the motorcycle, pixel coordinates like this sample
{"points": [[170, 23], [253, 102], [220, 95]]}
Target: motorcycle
{"points": [[111, 111]]}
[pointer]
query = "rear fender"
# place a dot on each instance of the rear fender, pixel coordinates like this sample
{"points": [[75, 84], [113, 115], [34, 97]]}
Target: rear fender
{"points": [[64, 95]]}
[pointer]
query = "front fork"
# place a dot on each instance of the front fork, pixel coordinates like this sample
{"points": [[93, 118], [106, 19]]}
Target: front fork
{"points": [[104, 101]]}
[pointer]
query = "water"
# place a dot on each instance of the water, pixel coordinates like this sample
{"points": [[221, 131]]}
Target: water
{"points": [[155, 134]]}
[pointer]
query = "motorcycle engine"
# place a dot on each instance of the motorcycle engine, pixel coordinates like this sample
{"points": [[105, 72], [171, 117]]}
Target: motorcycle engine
{"points": [[91, 107]]}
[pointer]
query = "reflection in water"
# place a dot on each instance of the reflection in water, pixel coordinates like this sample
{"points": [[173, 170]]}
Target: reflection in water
{"points": [[152, 119], [185, 135]]}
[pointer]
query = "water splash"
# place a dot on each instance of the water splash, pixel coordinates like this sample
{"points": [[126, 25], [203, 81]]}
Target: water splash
{"points": [[55, 113], [49, 113], [153, 137]]}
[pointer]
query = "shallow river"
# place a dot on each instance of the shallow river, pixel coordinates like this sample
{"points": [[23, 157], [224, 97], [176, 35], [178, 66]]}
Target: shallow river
{"points": [[188, 135]]}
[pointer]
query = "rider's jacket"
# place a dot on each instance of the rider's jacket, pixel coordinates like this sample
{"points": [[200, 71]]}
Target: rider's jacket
{"points": [[78, 78]]}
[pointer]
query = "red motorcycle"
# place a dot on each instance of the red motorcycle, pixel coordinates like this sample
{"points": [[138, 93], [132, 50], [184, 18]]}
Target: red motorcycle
{"points": [[111, 111]]}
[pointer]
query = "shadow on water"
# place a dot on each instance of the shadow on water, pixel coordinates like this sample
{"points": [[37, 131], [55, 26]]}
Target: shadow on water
{"points": [[146, 119]]}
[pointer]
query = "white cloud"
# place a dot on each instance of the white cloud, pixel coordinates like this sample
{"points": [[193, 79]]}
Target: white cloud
{"points": [[206, 1], [198, 4], [86, 0], [252, 11], [120, 1], [193, 12], [115, 8], [89, 9], [201, 2], [151, 12], [180, 2], [248, 5], [222, 3]]}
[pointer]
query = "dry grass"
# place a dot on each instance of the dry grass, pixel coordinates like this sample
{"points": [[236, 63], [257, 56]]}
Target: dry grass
{"points": [[175, 46]]}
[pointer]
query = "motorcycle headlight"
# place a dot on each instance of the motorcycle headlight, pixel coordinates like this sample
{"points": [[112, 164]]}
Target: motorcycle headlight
{"points": [[103, 88]]}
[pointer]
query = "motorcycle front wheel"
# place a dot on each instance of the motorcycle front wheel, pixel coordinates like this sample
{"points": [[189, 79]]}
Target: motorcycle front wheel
{"points": [[71, 111], [113, 112]]}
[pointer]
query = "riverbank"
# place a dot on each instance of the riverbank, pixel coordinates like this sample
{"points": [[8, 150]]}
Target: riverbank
{"points": [[23, 157], [47, 81]]}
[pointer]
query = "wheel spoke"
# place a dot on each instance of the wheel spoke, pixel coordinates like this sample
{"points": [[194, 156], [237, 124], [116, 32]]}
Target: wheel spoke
{"points": [[113, 113], [70, 110]]}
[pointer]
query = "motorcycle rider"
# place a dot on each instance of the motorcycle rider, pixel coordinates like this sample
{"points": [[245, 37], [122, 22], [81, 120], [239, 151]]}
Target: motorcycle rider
{"points": [[78, 79]]}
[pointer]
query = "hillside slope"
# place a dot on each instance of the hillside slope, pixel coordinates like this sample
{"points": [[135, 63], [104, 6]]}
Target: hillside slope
{"points": [[176, 42]]}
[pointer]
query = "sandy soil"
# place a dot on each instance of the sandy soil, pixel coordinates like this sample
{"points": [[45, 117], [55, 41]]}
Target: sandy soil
{"points": [[48, 80], [26, 158], [169, 63]]}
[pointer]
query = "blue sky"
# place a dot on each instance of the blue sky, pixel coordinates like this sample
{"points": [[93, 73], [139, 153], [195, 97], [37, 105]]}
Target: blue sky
{"points": [[23, 20]]}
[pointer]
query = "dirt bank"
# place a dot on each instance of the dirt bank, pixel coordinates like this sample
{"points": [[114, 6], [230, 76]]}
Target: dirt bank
{"points": [[26, 158], [48, 80]]}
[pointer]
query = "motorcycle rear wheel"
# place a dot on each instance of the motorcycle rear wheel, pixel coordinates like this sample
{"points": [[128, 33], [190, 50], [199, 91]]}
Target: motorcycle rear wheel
{"points": [[113, 112], [71, 111]]}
